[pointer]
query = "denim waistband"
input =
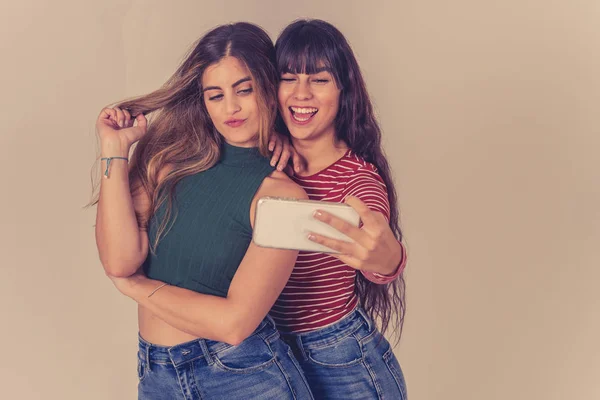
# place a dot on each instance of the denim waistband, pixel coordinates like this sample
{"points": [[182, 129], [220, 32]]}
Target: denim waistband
{"points": [[331, 333], [194, 349]]}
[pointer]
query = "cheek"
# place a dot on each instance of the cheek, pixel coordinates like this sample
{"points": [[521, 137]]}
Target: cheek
{"points": [[334, 102], [282, 95], [251, 105], [212, 112]]}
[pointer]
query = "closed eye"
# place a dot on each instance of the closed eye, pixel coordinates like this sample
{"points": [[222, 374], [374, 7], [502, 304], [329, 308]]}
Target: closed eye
{"points": [[216, 97]]}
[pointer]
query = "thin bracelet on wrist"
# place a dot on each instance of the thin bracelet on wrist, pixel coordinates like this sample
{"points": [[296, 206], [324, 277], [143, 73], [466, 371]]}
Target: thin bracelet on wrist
{"points": [[108, 160], [158, 287]]}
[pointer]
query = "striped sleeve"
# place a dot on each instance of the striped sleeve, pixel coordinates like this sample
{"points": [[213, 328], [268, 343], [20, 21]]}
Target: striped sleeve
{"points": [[367, 185]]}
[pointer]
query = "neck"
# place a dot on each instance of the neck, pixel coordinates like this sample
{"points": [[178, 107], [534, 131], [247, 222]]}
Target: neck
{"points": [[248, 143], [319, 153]]}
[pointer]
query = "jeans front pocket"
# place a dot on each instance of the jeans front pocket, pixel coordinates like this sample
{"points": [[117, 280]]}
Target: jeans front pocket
{"points": [[343, 353], [142, 368], [252, 355]]}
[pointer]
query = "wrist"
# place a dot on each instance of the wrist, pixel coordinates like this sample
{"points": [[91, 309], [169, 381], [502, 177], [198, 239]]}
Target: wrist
{"points": [[114, 148], [390, 270]]}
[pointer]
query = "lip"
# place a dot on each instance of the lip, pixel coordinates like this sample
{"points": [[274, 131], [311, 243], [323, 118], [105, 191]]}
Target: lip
{"points": [[234, 123], [301, 123]]}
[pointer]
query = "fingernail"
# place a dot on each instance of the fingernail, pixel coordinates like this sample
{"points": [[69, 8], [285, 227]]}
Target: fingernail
{"points": [[318, 214], [311, 237], [121, 123], [280, 168]]}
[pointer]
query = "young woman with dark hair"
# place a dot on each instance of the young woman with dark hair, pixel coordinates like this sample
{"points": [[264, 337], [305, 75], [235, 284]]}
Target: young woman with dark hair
{"points": [[328, 309]]}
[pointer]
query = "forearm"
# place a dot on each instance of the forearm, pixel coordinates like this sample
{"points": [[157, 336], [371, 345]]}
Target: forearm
{"points": [[120, 244], [200, 315]]}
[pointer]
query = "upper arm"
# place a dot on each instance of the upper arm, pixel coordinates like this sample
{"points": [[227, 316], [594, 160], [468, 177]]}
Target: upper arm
{"points": [[263, 272], [141, 205], [278, 184], [259, 280], [367, 185]]}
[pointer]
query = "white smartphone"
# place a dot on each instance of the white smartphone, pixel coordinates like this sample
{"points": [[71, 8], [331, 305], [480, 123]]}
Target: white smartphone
{"points": [[285, 223]]}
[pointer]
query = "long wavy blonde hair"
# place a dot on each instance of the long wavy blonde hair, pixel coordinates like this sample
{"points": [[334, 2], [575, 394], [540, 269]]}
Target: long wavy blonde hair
{"points": [[180, 132]]}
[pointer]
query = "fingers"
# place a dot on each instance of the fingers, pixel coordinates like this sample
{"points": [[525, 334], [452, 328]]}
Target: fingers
{"points": [[272, 141], [349, 261], [298, 162], [277, 152], [128, 121], [365, 213], [334, 244], [285, 156], [353, 232], [142, 122], [343, 248], [108, 115], [120, 117]]}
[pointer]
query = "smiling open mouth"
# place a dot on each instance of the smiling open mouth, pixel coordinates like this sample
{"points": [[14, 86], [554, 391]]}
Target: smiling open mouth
{"points": [[303, 114]]}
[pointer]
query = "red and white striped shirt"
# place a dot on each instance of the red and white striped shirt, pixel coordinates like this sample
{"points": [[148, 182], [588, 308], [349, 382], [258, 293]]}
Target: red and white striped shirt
{"points": [[321, 289]]}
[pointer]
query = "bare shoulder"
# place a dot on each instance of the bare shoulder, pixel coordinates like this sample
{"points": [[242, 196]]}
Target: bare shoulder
{"points": [[278, 184]]}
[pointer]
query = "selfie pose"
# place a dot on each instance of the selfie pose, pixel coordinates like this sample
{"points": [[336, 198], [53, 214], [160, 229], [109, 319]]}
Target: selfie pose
{"points": [[183, 209], [327, 310]]}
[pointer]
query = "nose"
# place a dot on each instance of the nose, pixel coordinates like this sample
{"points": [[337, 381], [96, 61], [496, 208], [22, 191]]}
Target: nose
{"points": [[302, 91], [232, 105]]}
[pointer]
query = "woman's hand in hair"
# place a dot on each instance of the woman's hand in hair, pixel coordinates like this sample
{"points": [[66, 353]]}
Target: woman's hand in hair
{"points": [[116, 127], [375, 248], [283, 151]]}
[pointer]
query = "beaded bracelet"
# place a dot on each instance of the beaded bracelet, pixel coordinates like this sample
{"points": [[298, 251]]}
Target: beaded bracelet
{"points": [[108, 160]]}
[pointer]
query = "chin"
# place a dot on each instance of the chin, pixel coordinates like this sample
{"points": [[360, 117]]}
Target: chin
{"points": [[301, 134]]}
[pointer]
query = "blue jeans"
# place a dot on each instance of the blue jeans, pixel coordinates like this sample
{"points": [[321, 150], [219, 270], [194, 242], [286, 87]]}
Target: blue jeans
{"points": [[349, 359], [261, 367]]}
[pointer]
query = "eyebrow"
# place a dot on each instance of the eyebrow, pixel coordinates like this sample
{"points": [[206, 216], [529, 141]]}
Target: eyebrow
{"points": [[246, 79]]}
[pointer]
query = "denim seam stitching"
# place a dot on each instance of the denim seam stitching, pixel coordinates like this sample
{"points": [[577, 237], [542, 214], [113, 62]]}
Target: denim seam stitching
{"points": [[373, 377], [285, 375], [344, 365], [336, 340], [296, 364], [193, 381], [180, 383], [141, 364], [248, 370], [386, 358]]}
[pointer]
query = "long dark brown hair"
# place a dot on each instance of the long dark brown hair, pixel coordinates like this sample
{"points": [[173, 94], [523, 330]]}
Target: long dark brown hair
{"points": [[302, 47], [180, 133]]}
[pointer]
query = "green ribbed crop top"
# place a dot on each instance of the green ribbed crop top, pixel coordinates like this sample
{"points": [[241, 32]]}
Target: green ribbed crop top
{"points": [[211, 231]]}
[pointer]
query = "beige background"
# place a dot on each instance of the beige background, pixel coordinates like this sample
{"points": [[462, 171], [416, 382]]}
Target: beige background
{"points": [[490, 114]]}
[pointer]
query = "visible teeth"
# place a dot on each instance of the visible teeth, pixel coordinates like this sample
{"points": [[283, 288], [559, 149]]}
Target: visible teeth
{"points": [[301, 119], [304, 110]]}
